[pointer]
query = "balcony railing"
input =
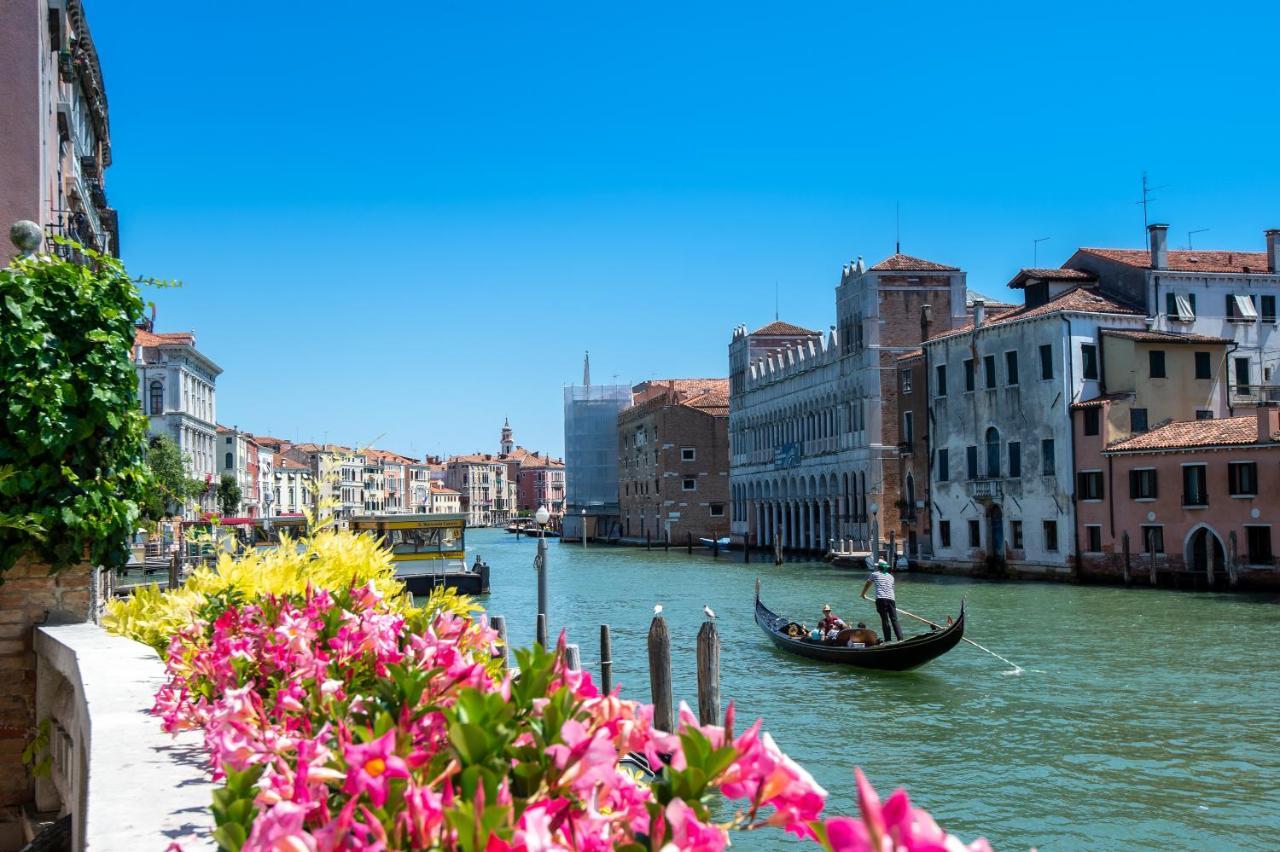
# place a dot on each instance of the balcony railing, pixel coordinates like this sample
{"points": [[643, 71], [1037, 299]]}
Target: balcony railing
{"points": [[984, 488]]}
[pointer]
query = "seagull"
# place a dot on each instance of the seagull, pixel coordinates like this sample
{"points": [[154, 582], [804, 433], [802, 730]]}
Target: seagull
{"points": [[657, 609], [706, 610]]}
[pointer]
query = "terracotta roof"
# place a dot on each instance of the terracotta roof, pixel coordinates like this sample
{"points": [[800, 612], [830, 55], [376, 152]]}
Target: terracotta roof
{"points": [[1186, 434], [1040, 274], [713, 398], [1076, 299], [1097, 401], [1188, 260], [269, 441], [1162, 336], [142, 337], [283, 462], [475, 458], [437, 488], [778, 328], [907, 263], [530, 461], [907, 356]]}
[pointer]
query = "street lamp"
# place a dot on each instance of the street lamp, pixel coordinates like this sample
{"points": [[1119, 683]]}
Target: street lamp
{"points": [[584, 529], [540, 565]]}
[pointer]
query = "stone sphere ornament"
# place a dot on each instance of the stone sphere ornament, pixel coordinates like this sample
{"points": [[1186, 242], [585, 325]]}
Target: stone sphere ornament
{"points": [[26, 235]]}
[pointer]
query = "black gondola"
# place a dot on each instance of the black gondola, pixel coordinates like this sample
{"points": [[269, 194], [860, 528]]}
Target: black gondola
{"points": [[893, 656]]}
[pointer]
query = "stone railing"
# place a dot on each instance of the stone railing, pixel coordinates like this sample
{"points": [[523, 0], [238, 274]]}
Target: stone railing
{"points": [[126, 783]]}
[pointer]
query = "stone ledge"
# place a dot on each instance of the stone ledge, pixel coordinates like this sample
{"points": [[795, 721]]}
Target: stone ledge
{"points": [[140, 787]]}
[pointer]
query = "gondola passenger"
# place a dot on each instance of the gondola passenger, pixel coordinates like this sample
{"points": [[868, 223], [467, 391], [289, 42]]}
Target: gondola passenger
{"points": [[830, 624]]}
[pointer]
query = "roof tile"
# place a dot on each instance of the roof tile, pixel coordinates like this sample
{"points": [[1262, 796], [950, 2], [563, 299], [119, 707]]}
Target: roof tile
{"points": [[1188, 434], [906, 263], [1189, 260]]}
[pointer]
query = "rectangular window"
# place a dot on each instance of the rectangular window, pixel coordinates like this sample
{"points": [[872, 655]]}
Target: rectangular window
{"points": [[1153, 540], [1093, 538], [1195, 485], [944, 533], [1011, 367], [989, 370], [1242, 479], [906, 381], [1051, 536], [1015, 534], [1204, 366], [1048, 464], [688, 454], [690, 484], [1155, 361], [1179, 307], [1204, 414], [908, 430], [1089, 484], [1258, 540], [1142, 484], [1046, 361], [944, 465], [975, 538], [971, 461], [1268, 308], [1242, 375], [1089, 360], [1092, 421], [968, 374], [1137, 420], [1015, 459], [717, 510], [1241, 308], [941, 372]]}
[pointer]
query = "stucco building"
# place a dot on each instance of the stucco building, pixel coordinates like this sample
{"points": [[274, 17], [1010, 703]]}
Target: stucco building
{"points": [[177, 392], [673, 460], [488, 494], [1000, 451], [55, 133], [293, 487], [814, 418]]}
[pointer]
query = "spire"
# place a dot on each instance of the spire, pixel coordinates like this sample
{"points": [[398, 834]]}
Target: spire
{"points": [[586, 369], [507, 444]]}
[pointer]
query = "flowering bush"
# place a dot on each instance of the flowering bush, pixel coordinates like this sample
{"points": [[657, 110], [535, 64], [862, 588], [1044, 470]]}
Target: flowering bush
{"points": [[339, 720]]}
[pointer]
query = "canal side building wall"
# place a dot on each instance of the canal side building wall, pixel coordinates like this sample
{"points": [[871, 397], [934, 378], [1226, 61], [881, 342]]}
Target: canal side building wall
{"points": [[1001, 486], [913, 459], [815, 425], [591, 458], [673, 460]]}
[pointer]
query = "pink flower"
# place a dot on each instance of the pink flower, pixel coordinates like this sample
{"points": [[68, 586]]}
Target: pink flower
{"points": [[279, 829], [370, 767], [686, 832]]}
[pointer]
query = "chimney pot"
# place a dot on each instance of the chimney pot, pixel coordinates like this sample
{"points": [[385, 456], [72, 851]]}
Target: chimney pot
{"points": [[1267, 425], [1273, 251], [1159, 239], [979, 312]]}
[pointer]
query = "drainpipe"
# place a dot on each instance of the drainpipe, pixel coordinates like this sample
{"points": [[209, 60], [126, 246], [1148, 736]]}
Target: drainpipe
{"points": [[1071, 383], [1226, 366]]}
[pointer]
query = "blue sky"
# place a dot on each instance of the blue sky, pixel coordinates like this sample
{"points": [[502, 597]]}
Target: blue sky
{"points": [[404, 222]]}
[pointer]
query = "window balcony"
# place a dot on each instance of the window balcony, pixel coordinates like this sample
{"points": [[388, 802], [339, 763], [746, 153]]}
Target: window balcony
{"points": [[986, 488]]}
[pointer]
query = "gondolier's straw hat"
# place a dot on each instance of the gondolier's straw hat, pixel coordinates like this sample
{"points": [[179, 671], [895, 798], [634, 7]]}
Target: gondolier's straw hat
{"points": [[826, 607]]}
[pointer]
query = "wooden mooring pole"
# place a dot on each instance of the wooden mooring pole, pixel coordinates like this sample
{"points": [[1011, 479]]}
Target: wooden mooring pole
{"points": [[689, 542], [660, 674], [708, 674], [500, 625], [606, 660], [573, 656], [542, 629]]}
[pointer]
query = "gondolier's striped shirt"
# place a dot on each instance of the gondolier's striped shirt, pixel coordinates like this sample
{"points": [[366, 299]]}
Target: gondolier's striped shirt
{"points": [[883, 581]]}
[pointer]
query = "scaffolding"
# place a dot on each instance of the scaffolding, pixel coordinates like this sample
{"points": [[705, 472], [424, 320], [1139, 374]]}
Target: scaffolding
{"points": [[591, 456]]}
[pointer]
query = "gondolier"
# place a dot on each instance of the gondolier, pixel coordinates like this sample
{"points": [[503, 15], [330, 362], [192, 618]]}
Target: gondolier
{"points": [[886, 604]]}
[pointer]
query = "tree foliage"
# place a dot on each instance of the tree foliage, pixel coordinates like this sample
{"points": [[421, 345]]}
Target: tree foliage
{"points": [[228, 494], [173, 489], [71, 431]]}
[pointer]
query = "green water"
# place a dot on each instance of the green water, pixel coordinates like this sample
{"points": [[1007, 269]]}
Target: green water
{"points": [[1143, 719]]}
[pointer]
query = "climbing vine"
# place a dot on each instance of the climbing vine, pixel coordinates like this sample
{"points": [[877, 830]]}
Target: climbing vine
{"points": [[71, 430]]}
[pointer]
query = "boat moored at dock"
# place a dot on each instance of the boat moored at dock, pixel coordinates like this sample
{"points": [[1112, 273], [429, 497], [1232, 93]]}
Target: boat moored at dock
{"points": [[429, 551]]}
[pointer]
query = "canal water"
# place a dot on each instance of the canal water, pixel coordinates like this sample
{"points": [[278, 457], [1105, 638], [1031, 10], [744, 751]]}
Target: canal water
{"points": [[1142, 719]]}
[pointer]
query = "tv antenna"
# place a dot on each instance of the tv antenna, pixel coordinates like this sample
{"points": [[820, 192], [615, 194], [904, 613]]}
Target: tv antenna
{"points": [[897, 227], [1035, 250], [1147, 189], [1192, 233], [775, 300]]}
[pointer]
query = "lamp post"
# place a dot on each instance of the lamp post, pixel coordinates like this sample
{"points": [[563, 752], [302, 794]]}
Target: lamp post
{"points": [[540, 564], [875, 533]]}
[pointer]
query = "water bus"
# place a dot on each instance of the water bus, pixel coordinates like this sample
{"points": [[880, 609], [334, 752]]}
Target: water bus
{"points": [[429, 550]]}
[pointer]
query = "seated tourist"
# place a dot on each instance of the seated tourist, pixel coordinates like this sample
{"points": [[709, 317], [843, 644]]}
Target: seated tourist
{"points": [[830, 624]]}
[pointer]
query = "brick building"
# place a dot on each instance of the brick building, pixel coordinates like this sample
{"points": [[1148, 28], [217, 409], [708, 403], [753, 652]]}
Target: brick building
{"points": [[913, 454], [814, 418], [673, 460]]}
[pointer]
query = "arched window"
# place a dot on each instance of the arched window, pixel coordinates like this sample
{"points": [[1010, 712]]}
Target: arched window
{"points": [[229, 463], [993, 452], [157, 397]]}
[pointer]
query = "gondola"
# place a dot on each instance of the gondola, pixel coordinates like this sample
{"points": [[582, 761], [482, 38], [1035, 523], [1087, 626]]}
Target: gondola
{"points": [[893, 656]]}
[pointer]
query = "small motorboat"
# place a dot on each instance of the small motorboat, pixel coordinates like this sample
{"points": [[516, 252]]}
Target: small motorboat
{"points": [[910, 653], [714, 542]]}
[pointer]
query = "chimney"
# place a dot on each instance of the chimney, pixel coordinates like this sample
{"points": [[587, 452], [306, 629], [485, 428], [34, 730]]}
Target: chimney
{"points": [[979, 312], [1273, 251], [1267, 422], [1159, 235], [926, 320]]}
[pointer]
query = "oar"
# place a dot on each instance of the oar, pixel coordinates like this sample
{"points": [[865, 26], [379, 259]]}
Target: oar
{"points": [[1016, 667]]}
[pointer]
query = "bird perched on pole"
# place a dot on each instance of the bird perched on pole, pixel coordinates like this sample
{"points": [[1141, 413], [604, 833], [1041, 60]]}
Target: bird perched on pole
{"points": [[707, 611], [657, 609]]}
